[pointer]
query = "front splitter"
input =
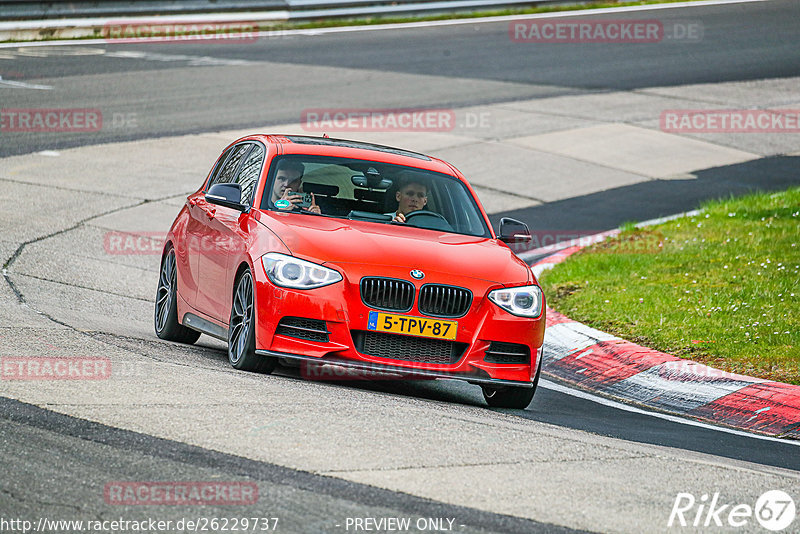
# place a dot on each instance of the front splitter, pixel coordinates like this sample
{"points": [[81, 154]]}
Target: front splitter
{"points": [[384, 368]]}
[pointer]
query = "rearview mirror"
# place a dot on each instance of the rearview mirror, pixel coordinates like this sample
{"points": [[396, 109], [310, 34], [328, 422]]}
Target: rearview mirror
{"points": [[228, 195], [371, 181], [513, 231]]}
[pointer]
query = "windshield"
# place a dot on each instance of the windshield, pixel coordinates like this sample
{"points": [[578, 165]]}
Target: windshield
{"points": [[371, 191]]}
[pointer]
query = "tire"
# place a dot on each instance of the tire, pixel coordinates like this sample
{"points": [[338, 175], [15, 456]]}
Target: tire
{"points": [[508, 397], [512, 397], [165, 316], [241, 330]]}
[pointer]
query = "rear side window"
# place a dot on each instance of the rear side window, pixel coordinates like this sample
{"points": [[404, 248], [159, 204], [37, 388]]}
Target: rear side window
{"points": [[227, 172], [251, 170]]}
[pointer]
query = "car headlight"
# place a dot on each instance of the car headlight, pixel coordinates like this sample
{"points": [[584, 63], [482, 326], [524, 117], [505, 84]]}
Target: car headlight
{"points": [[288, 271], [524, 301]]}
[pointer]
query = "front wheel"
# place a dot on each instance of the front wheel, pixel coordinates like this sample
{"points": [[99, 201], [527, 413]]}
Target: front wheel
{"points": [[512, 397], [508, 397], [242, 331]]}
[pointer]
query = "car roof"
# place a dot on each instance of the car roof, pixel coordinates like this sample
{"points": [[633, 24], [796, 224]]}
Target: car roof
{"points": [[326, 146]]}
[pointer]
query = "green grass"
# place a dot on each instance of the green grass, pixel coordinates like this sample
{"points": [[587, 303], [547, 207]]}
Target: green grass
{"points": [[720, 287], [365, 21]]}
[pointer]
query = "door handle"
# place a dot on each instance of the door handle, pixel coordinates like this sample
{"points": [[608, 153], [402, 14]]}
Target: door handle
{"points": [[210, 213]]}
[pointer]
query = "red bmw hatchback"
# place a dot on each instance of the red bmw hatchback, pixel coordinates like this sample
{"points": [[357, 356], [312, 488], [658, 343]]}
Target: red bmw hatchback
{"points": [[325, 251]]}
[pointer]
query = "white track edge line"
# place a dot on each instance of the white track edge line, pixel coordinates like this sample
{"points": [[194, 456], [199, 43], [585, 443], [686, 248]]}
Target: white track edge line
{"points": [[593, 238], [508, 18], [421, 24], [547, 384], [627, 407]]}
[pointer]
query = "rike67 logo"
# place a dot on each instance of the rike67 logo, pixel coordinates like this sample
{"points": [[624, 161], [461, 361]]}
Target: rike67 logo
{"points": [[774, 510]]}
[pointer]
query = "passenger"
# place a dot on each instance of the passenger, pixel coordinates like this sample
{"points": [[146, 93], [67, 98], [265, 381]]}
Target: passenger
{"points": [[288, 185], [411, 196]]}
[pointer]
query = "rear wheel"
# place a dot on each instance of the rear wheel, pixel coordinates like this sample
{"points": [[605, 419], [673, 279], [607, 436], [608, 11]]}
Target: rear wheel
{"points": [[166, 308], [241, 330]]}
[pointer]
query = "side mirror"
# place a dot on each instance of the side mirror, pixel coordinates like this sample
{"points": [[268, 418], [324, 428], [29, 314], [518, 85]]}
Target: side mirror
{"points": [[228, 195], [513, 231]]}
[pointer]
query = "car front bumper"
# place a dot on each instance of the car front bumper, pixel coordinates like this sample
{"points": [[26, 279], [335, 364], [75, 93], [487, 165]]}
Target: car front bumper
{"points": [[346, 317]]}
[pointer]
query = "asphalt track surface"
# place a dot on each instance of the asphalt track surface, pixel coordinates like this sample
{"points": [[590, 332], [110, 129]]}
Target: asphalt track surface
{"points": [[739, 42], [303, 502], [763, 47]]}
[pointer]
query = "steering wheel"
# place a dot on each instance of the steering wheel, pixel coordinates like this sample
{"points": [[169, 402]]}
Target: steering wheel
{"points": [[429, 220], [425, 212]]}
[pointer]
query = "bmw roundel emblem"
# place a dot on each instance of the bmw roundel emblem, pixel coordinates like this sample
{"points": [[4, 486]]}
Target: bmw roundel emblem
{"points": [[416, 274]]}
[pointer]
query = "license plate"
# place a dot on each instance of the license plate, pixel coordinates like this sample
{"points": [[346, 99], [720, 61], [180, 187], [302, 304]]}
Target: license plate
{"points": [[412, 326]]}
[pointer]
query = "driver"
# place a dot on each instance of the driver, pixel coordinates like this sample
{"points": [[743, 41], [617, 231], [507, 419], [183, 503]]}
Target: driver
{"points": [[412, 196], [288, 185]]}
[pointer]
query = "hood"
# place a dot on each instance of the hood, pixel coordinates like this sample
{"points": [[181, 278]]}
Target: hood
{"points": [[330, 240]]}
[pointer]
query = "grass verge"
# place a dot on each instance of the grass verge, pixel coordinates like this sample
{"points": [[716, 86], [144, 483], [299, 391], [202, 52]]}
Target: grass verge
{"points": [[720, 288]]}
